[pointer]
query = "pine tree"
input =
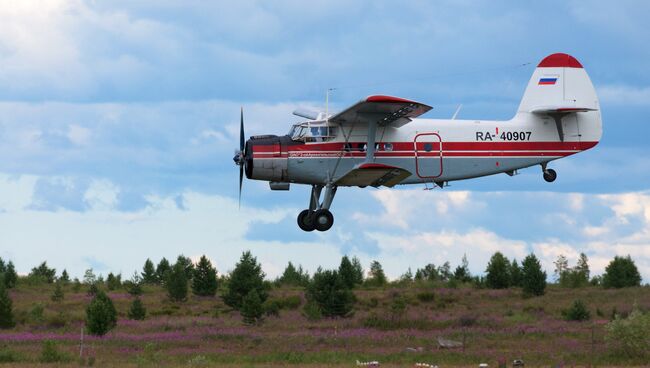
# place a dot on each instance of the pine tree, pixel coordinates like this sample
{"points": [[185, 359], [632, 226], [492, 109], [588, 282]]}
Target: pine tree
{"points": [[328, 291], [162, 270], [149, 273], [533, 278], [134, 286], [346, 270], [113, 282], [187, 264], [497, 272], [621, 272], [561, 267], [101, 315], [293, 276], [251, 308], [204, 282], [377, 275], [10, 276], [516, 276], [137, 311], [358, 271], [246, 276], [57, 296], [428, 273], [64, 278], [407, 276], [177, 283], [6, 307], [90, 277], [462, 271]]}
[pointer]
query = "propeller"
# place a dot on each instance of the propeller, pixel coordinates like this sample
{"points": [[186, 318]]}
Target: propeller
{"points": [[240, 158]]}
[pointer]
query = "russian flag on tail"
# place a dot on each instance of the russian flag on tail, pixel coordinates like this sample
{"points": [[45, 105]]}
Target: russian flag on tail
{"points": [[547, 81]]}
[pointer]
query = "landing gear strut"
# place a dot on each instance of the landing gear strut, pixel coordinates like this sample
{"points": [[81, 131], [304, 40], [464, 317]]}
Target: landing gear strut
{"points": [[549, 174], [318, 216]]}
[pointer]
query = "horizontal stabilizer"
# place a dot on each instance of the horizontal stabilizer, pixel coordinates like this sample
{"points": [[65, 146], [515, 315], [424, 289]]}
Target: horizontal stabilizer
{"points": [[559, 109], [374, 175]]}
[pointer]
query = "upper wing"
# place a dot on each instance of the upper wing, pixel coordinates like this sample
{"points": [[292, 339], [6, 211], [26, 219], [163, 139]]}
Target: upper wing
{"points": [[384, 110]]}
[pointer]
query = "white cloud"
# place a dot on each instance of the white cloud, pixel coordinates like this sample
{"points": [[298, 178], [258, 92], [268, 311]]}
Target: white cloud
{"points": [[624, 95]]}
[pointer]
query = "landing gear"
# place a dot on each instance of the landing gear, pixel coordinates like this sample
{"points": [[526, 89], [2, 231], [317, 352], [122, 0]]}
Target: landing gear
{"points": [[549, 174], [317, 216]]}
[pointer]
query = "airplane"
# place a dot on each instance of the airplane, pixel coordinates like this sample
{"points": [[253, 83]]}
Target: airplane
{"points": [[379, 142]]}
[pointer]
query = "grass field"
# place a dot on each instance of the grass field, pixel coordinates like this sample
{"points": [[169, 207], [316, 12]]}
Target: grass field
{"points": [[495, 325]]}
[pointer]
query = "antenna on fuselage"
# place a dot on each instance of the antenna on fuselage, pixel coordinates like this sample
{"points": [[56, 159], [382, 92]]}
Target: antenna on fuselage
{"points": [[457, 111]]}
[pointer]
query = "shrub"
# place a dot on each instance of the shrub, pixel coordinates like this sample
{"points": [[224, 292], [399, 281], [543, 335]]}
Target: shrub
{"points": [[290, 302], [58, 320], [397, 308], [204, 282], [533, 278], [50, 353], [426, 296], [271, 307], [312, 312], [176, 283], [246, 276], [93, 289], [134, 286], [251, 308], [45, 273], [621, 272], [57, 295], [630, 336], [327, 289], [7, 356], [36, 313], [101, 315], [6, 308], [137, 311], [577, 312]]}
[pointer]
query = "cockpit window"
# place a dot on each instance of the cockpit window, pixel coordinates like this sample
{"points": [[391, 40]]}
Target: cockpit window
{"points": [[310, 132]]}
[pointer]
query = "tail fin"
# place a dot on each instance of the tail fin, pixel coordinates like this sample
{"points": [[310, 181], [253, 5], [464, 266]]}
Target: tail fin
{"points": [[559, 83]]}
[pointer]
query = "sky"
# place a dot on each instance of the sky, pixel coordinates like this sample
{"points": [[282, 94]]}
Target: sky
{"points": [[119, 119]]}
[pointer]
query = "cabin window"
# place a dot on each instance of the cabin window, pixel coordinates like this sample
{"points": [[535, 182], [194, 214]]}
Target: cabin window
{"points": [[428, 147], [388, 146]]}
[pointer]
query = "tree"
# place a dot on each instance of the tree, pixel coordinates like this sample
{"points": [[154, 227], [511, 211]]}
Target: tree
{"points": [[376, 275], [583, 267], [57, 296], [516, 276], [204, 282], [43, 272], [358, 271], [149, 273], [461, 273], [445, 271], [162, 270], [101, 315], [64, 278], [497, 272], [113, 282], [407, 276], [561, 266], [187, 264], [6, 307], [137, 311], [89, 277], [9, 275], [246, 276], [621, 272], [177, 283], [346, 270], [133, 286], [577, 312], [329, 292], [629, 336], [533, 278], [293, 276], [251, 308], [428, 273]]}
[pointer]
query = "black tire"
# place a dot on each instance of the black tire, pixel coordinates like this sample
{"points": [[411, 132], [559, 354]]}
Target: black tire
{"points": [[306, 220], [323, 220], [550, 175]]}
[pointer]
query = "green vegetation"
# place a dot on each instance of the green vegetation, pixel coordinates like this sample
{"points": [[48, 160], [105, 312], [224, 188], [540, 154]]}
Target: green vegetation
{"points": [[204, 282], [533, 278], [6, 308], [577, 312], [246, 276], [101, 315], [497, 272], [176, 283], [149, 273], [251, 308], [329, 292], [621, 272], [630, 336], [137, 311]]}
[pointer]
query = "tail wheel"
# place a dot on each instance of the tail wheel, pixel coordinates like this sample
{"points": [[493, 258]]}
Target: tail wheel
{"points": [[306, 220], [323, 220], [550, 175]]}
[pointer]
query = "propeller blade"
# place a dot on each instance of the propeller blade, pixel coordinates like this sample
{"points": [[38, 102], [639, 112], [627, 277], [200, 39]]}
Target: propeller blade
{"points": [[241, 181], [241, 132]]}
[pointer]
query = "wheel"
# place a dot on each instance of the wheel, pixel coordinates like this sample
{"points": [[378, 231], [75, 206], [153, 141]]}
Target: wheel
{"points": [[323, 220], [550, 175], [306, 220]]}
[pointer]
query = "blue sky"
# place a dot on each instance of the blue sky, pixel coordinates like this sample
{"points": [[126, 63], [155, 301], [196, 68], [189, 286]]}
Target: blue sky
{"points": [[118, 123]]}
